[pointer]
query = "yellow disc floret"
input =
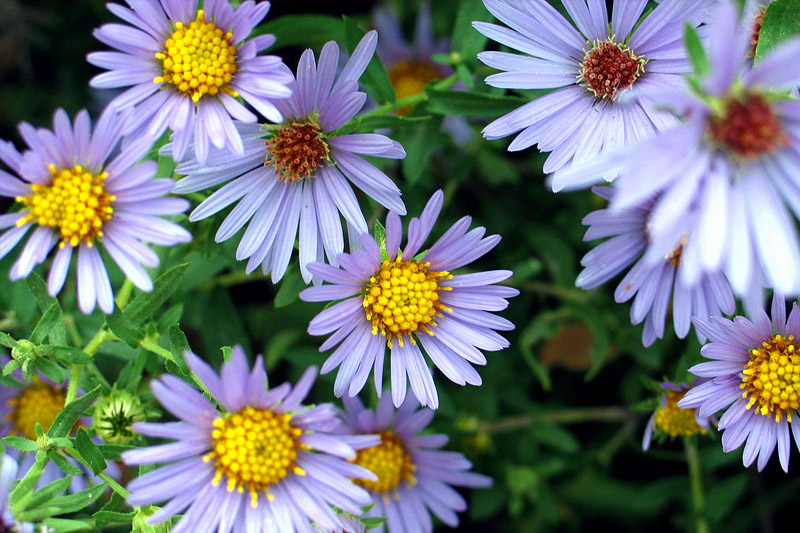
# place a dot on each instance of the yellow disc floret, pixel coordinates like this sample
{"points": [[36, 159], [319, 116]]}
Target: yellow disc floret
{"points": [[38, 402], [75, 202], [389, 461], [254, 448], [199, 60], [402, 298], [674, 421], [772, 378]]}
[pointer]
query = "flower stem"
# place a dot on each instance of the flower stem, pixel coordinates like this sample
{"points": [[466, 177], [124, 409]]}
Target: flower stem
{"points": [[695, 478], [412, 100], [116, 487], [565, 416], [124, 294], [158, 350]]}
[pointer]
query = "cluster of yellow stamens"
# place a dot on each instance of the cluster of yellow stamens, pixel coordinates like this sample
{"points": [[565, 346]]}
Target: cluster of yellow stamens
{"points": [[402, 298], [254, 448], [199, 60], [390, 462], [75, 202], [37, 403], [674, 421], [772, 378], [410, 78]]}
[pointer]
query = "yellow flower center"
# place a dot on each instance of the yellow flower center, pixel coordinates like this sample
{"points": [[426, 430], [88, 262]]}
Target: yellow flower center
{"points": [[75, 202], [403, 297], [38, 402], [254, 448], [199, 60], [409, 78], [296, 150], [677, 422], [772, 378], [389, 461]]}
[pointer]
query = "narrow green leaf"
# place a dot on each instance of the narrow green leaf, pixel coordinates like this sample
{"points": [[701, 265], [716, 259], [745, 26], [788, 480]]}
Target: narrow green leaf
{"points": [[58, 333], [781, 21], [49, 369], [46, 323], [697, 54], [71, 413], [11, 366], [147, 303], [419, 146], [379, 232], [303, 30], [466, 40], [64, 464], [113, 517], [177, 345], [48, 492], [20, 443], [7, 340], [123, 328], [113, 452], [375, 79], [67, 355], [470, 103], [89, 451], [64, 525], [75, 502], [376, 122], [290, 287]]}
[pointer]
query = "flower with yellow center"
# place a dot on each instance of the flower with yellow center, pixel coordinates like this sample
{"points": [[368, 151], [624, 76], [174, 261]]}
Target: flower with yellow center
{"points": [[409, 78], [771, 379], [75, 203], [390, 462], [402, 298], [674, 421], [38, 403], [199, 60]]}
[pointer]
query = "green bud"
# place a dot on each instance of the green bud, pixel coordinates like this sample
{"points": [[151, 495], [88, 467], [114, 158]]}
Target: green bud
{"points": [[115, 415]]}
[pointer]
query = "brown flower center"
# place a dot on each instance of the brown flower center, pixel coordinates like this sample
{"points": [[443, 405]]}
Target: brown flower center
{"points": [[748, 127], [609, 67], [296, 150]]}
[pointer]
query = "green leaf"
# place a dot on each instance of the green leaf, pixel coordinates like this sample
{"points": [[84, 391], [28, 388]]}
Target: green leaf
{"points": [[64, 525], [49, 369], [303, 30], [67, 355], [375, 79], [64, 464], [58, 332], [419, 145], [7, 340], [113, 452], [113, 517], [123, 328], [466, 40], [177, 345], [75, 502], [290, 287], [20, 443], [781, 21], [46, 324], [372, 522], [147, 303], [470, 103], [71, 413], [697, 54], [89, 451], [48, 492], [376, 122], [379, 232]]}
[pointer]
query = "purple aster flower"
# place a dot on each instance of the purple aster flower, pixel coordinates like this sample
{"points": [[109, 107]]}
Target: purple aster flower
{"points": [[654, 280], [669, 420], [296, 174], [410, 303], [755, 376], [729, 174], [156, 59], [414, 477], [590, 66], [8, 476], [75, 198], [265, 463]]}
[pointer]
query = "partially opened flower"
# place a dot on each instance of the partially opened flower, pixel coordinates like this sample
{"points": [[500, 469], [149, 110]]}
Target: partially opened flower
{"points": [[186, 68], [754, 376], [654, 281], [411, 303], [266, 462], [296, 174], [729, 174], [669, 420], [414, 477], [590, 65], [9, 470], [74, 198]]}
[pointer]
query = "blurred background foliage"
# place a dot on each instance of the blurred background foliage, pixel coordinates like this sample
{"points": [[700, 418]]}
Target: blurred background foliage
{"points": [[559, 419]]}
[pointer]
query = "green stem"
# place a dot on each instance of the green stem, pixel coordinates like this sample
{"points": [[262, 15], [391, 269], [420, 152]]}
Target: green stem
{"points": [[99, 338], [124, 294], [75, 371], [696, 480], [566, 416], [74, 377], [411, 100], [116, 487], [24, 489], [158, 350]]}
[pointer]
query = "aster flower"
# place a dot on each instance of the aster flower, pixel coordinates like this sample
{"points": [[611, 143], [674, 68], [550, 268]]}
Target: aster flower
{"points": [[669, 420], [654, 280], [8, 475], [76, 199], [266, 463], [728, 174], [754, 376], [395, 298], [590, 66], [414, 477], [156, 57], [296, 174]]}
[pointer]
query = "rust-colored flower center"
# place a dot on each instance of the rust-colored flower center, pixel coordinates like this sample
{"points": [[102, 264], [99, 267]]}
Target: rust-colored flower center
{"points": [[199, 60], [674, 421], [772, 378], [403, 298], [757, 22], [254, 448], [608, 68], [410, 78], [296, 150], [748, 128], [37, 403], [389, 461]]}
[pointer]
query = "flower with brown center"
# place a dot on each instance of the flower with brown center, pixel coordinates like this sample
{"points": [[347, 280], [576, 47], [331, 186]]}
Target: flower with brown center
{"points": [[609, 67]]}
